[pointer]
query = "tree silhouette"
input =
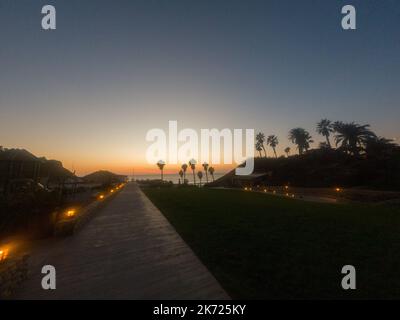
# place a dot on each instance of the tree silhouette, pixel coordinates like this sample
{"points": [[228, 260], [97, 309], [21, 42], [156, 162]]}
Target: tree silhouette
{"points": [[301, 138], [287, 151], [181, 174], [324, 128], [380, 148], [184, 168], [205, 166], [192, 164], [260, 139], [161, 165], [272, 141], [351, 137], [258, 148], [200, 175], [211, 171]]}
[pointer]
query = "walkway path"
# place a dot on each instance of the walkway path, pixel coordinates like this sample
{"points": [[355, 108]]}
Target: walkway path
{"points": [[127, 251]]}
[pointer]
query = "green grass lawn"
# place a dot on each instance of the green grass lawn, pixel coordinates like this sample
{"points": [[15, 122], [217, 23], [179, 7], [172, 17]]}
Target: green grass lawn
{"points": [[263, 247]]}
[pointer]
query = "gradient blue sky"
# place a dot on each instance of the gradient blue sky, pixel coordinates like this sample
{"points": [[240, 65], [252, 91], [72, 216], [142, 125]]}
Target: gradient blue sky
{"points": [[88, 92]]}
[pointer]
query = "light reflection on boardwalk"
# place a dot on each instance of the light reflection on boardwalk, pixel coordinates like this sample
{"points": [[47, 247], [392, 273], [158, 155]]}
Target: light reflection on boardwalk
{"points": [[127, 251]]}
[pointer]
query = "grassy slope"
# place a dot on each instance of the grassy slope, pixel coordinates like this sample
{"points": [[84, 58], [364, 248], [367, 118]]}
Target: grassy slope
{"points": [[259, 246]]}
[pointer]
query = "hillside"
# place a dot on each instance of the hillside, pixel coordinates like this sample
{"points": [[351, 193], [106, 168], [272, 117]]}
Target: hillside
{"points": [[327, 168], [103, 177]]}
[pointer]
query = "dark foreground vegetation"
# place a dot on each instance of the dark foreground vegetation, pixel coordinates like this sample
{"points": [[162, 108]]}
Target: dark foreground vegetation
{"points": [[327, 168], [264, 247], [356, 158], [34, 190]]}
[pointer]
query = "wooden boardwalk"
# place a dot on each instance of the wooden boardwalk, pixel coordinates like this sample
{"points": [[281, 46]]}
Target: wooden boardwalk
{"points": [[127, 251]]}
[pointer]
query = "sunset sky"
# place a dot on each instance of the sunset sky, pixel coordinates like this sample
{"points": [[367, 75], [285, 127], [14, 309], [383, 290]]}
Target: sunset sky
{"points": [[87, 93]]}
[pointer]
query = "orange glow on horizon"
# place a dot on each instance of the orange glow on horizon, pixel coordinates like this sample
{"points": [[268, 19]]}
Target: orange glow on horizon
{"points": [[144, 169], [174, 169]]}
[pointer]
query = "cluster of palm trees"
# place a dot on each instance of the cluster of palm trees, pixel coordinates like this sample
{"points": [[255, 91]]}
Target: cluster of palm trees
{"points": [[192, 165], [301, 138], [351, 138], [271, 141]]}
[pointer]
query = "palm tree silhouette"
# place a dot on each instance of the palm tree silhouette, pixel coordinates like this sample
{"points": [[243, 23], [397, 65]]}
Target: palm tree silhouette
{"points": [[184, 168], [324, 128], [211, 171], [200, 175], [287, 151], [259, 148], [192, 164], [260, 138], [351, 136], [205, 166], [302, 138], [272, 141], [161, 165], [380, 147], [181, 174]]}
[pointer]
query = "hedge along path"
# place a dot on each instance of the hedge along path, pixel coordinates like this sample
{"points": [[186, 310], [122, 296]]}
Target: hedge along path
{"points": [[14, 270], [69, 226]]}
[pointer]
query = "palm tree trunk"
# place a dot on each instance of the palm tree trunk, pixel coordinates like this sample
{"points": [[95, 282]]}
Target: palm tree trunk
{"points": [[275, 153], [194, 178], [265, 152], [162, 175], [328, 142], [206, 176]]}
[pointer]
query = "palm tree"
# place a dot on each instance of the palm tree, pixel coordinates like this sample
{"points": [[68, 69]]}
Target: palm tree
{"points": [[351, 136], [181, 174], [259, 148], [380, 147], [200, 175], [324, 128], [302, 138], [260, 138], [161, 165], [205, 166], [272, 141], [184, 168], [211, 171], [192, 164], [287, 151]]}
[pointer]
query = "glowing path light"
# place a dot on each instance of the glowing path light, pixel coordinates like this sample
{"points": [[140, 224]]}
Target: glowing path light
{"points": [[70, 213], [3, 254]]}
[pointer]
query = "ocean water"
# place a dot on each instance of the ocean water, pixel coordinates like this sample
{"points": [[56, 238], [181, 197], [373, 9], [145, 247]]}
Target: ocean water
{"points": [[175, 177]]}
